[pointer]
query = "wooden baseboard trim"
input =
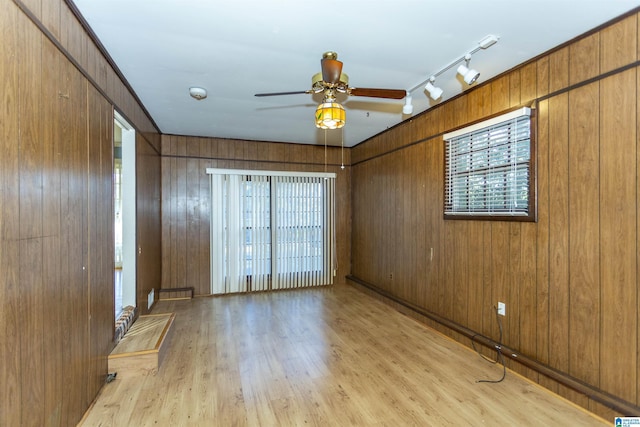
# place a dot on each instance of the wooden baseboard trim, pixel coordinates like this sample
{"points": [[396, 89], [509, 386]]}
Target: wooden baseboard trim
{"points": [[609, 400]]}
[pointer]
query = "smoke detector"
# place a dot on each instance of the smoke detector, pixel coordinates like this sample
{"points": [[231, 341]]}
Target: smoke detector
{"points": [[198, 93]]}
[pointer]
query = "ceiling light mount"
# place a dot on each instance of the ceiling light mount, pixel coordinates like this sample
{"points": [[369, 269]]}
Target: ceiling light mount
{"points": [[488, 41], [198, 93]]}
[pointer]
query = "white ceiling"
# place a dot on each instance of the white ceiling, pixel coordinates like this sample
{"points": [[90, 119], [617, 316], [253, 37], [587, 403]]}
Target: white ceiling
{"points": [[235, 49]]}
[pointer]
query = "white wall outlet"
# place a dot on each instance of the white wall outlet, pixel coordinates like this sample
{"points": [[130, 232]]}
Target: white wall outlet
{"points": [[502, 309], [150, 298]]}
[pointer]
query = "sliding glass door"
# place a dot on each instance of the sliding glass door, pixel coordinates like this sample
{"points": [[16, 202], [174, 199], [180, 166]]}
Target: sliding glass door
{"points": [[271, 230]]}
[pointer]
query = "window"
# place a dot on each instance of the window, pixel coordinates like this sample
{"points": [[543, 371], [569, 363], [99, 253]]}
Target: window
{"points": [[271, 230], [489, 169]]}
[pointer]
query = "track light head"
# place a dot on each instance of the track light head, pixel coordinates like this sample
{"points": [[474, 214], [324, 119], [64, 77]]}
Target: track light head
{"points": [[434, 92], [408, 107], [468, 75]]}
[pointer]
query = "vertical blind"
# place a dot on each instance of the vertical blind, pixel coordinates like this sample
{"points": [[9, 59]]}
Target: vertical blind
{"points": [[488, 167], [271, 230]]}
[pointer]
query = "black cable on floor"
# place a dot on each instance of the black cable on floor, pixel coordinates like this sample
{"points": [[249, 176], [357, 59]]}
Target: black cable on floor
{"points": [[499, 355]]}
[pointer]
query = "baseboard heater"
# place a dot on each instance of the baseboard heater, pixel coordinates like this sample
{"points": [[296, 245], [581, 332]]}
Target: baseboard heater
{"points": [[609, 400], [176, 293]]}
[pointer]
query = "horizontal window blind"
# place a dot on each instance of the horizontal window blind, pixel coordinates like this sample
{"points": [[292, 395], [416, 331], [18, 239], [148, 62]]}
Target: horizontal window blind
{"points": [[488, 167]]}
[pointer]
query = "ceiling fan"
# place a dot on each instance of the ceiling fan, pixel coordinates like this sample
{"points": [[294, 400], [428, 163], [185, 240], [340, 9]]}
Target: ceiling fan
{"points": [[331, 80]]}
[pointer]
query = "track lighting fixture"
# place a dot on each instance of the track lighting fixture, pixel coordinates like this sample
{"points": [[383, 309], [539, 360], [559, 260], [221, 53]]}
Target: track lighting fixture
{"points": [[407, 108], [469, 75], [434, 92]]}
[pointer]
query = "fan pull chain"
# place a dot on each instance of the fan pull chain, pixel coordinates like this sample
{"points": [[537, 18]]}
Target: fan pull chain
{"points": [[325, 150], [342, 147]]}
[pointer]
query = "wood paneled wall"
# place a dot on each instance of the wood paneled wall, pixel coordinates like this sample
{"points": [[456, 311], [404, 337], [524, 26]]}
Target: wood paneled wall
{"points": [[186, 197], [148, 229], [570, 281], [56, 213]]}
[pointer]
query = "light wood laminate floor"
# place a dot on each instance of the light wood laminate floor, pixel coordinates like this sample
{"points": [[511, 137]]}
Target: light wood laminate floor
{"points": [[320, 357]]}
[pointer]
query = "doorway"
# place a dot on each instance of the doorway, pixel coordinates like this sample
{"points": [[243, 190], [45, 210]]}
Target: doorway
{"points": [[124, 203]]}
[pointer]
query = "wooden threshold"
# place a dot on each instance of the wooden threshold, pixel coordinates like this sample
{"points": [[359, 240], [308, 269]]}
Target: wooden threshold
{"points": [[142, 349]]}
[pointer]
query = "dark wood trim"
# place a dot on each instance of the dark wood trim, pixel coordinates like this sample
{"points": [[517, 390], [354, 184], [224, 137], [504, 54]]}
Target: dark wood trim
{"points": [[593, 393], [226, 159], [589, 81], [411, 144], [287, 144], [149, 143]]}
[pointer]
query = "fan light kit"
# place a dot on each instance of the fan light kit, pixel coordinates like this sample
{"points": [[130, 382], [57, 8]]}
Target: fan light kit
{"points": [[469, 75], [331, 80], [330, 114]]}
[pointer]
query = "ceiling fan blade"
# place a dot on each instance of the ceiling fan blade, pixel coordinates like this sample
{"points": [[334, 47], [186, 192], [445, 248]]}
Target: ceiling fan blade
{"points": [[283, 93], [331, 70], [378, 93]]}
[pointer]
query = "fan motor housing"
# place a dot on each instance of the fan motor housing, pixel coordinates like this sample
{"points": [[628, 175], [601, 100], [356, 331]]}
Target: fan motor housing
{"points": [[316, 80]]}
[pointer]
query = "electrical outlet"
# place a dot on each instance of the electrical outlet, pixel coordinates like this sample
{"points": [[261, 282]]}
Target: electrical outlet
{"points": [[502, 309], [391, 276], [150, 298]]}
